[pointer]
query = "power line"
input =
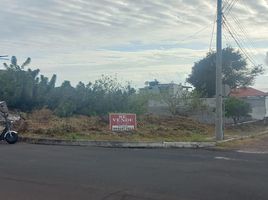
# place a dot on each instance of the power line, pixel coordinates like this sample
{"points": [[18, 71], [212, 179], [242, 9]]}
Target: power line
{"points": [[240, 40], [227, 39], [246, 6], [196, 33], [240, 31], [234, 35], [212, 34], [225, 3], [237, 41], [229, 7], [245, 35]]}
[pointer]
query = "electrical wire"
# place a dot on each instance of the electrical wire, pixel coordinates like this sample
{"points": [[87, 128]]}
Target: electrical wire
{"points": [[213, 30], [228, 39], [195, 34], [237, 38], [225, 3], [244, 39], [229, 7], [240, 31], [245, 35], [238, 42]]}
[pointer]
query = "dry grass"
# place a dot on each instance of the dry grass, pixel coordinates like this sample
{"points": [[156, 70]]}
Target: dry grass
{"points": [[252, 142], [43, 123], [246, 129]]}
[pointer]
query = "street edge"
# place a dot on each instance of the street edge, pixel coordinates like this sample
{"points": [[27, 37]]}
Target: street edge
{"points": [[117, 144]]}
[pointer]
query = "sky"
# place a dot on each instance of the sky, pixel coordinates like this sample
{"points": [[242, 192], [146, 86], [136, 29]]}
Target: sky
{"points": [[134, 40]]}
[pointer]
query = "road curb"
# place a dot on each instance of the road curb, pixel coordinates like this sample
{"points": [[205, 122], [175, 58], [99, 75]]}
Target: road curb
{"points": [[118, 144]]}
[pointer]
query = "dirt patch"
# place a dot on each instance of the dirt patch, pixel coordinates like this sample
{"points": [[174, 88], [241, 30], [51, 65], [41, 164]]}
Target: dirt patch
{"points": [[247, 129], [251, 144]]}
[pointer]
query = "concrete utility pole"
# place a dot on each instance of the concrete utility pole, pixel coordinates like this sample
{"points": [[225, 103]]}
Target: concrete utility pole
{"points": [[219, 121]]}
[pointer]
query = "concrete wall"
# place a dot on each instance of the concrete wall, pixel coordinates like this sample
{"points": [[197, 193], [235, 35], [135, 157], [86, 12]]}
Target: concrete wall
{"points": [[158, 108], [258, 106], [204, 116], [171, 89], [209, 102], [266, 106]]}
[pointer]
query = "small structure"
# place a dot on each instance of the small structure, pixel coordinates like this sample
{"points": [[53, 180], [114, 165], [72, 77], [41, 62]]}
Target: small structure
{"points": [[171, 90], [257, 99], [154, 87]]}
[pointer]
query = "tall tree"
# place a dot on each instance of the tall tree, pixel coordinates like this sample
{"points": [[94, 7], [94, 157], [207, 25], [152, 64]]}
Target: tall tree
{"points": [[24, 89], [236, 72], [18, 89]]}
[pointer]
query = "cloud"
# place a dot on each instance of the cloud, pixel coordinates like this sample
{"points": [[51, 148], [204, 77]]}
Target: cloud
{"points": [[142, 37]]}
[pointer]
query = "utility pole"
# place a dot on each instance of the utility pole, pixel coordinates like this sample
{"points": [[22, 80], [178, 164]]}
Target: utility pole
{"points": [[219, 121]]}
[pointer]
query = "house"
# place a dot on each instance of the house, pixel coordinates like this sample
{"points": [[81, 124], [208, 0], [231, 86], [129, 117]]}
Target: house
{"points": [[158, 106], [257, 99], [154, 87]]}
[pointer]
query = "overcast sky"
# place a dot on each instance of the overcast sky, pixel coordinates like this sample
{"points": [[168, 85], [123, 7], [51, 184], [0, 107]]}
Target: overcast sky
{"points": [[136, 40]]}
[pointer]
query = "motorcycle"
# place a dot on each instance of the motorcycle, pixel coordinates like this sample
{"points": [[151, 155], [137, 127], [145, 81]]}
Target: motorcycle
{"points": [[7, 134]]}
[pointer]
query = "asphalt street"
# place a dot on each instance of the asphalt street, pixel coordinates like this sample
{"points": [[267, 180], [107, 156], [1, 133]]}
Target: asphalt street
{"points": [[37, 172]]}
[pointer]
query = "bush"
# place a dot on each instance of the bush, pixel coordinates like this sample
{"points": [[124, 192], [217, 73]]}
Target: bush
{"points": [[236, 109]]}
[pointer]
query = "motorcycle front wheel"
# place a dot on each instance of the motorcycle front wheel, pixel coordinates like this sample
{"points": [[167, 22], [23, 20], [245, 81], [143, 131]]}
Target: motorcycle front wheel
{"points": [[11, 137]]}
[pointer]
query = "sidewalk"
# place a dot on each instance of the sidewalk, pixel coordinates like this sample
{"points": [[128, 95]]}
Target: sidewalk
{"points": [[250, 144]]}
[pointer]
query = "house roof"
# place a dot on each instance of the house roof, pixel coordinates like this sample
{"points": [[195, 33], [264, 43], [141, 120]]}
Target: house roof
{"points": [[247, 92]]}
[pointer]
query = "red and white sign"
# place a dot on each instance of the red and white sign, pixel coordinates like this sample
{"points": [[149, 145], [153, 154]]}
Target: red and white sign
{"points": [[122, 121]]}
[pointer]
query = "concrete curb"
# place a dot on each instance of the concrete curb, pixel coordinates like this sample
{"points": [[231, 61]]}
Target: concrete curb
{"points": [[117, 144]]}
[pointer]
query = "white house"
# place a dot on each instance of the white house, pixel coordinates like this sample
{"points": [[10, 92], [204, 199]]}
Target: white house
{"points": [[257, 99]]}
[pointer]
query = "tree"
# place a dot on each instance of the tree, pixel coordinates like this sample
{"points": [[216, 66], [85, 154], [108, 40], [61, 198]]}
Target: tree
{"points": [[182, 102], [17, 87], [14, 64], [172, 100], [236, 72], [236, 108], [177, 100], [24, 89], [138, 103]]}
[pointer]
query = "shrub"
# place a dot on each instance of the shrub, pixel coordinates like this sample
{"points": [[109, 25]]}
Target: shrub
{"points": [[236, 109]]}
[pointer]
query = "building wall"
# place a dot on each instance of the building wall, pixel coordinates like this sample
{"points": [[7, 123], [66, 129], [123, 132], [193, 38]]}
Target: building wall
{"points": [[258, 106], [171, 88], [204, 116], [266, 106]]}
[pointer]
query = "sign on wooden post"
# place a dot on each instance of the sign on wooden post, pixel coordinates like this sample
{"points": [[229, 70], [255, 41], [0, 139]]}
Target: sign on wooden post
{"points": [[122, 121]]}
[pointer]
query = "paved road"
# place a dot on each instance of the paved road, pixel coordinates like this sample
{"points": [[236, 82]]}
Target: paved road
{"points": [[37, 172]]}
